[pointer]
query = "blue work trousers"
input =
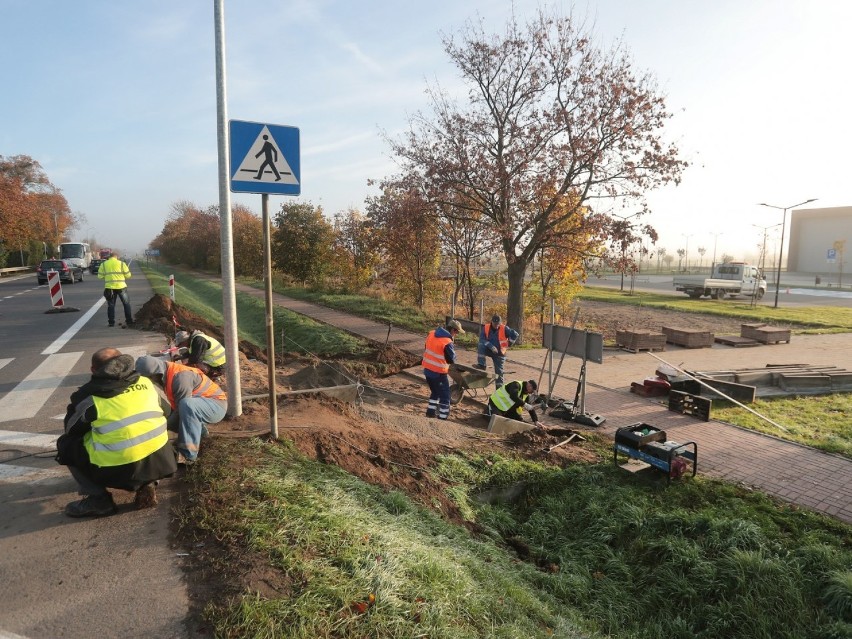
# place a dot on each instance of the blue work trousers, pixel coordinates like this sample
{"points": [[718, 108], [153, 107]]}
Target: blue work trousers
{"points": [[482, 351], [194, 415], [111, 294], [439, 397]]}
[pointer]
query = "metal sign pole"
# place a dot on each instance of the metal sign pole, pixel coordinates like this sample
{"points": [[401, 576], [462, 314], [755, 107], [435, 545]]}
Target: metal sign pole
{"points": [[270, 318]]}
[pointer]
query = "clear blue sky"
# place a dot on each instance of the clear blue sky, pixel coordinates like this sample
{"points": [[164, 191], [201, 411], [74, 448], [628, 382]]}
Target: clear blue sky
{"points": [[117, 99]]}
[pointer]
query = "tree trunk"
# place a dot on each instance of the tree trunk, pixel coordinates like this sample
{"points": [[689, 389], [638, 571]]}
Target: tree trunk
{"points": [[515, 298]]}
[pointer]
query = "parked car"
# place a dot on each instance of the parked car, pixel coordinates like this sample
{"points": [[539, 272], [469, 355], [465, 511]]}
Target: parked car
{"points": [[67, 272], [94, 264]]}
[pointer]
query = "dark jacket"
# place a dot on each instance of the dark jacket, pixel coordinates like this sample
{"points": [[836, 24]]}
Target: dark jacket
{"points": [[110, 380]]}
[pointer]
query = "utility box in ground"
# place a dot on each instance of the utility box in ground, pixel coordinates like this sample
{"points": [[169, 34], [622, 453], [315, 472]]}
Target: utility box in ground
{"points": [[500, 425]]}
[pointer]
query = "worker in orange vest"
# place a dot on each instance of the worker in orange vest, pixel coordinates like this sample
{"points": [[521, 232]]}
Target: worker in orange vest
{"points": [[438, 356], [494, 341]]}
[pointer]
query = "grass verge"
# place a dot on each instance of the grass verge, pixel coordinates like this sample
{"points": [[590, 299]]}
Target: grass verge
{"points": [[805, 319], [585, 551], [294, 333]]}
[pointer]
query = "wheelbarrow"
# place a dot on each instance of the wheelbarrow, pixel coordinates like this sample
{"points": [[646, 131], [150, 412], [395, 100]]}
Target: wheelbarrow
{"points": [[467, 380]]}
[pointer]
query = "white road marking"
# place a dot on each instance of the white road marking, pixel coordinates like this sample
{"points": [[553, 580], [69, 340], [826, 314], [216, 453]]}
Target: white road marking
{"points": [[19, 474], [27, 398], [63, 339], [30, 440], [3, 362]]}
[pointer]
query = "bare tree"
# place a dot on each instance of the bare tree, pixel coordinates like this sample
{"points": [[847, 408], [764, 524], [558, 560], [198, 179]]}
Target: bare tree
{"points": [[549, 115]]}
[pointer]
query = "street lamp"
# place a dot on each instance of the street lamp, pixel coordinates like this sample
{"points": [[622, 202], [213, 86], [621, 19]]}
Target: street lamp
{"points": [[686, 250], [762, 261], [781, 249], [628, 227], [715, 240]]}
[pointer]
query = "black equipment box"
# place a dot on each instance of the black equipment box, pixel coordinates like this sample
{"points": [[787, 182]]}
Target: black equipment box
{"points": [[650, 445]]}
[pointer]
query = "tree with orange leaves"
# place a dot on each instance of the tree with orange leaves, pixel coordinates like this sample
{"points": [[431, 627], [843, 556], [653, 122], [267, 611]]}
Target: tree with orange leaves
{"points": [[547, 111]]}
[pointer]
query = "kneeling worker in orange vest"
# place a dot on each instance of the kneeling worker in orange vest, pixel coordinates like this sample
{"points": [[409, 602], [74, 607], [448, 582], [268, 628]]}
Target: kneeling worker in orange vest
{"points": [[196, 398], [438, 356]]}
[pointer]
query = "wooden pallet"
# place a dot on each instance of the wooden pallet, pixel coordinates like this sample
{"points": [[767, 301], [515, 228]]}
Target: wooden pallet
{"points": [[736, 342], [635, 341], [687, 337], [765, 334]]}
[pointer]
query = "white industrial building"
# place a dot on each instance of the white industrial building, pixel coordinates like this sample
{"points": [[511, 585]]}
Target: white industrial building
{"points": [[820, 241]]}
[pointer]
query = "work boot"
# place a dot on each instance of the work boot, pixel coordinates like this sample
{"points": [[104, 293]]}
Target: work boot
{"points": [[92, 506], [146, 497], [183, 461]]}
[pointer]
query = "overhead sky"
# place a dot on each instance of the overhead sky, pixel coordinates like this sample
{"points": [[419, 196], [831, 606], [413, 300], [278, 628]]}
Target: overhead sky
{"points": [[117, 100]]}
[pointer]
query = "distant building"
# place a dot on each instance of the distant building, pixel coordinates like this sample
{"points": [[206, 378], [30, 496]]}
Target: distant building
{"points": [[813, 233]]}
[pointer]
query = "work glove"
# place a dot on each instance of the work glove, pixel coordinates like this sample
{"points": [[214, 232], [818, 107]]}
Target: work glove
{"points": [[528, 407], [493, 348]]}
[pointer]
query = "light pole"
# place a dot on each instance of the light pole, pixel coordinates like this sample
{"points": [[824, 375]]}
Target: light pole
{"points": [[624, 243], [762, 261], [686, 250], [781, 249], [715, 240]]}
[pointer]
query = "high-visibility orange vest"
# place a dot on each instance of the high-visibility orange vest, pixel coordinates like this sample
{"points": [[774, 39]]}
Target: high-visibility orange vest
{"points": [[501, 337], [206, 387], [433, 356]]}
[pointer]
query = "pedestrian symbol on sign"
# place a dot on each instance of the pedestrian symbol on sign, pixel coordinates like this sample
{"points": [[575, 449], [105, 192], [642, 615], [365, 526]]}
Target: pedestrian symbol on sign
{"points": [[264, 162]]}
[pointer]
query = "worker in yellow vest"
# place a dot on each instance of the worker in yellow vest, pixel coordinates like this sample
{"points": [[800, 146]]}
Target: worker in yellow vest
{"points": [[204, 352], [115, 436], [513, 399], [114, 273]]}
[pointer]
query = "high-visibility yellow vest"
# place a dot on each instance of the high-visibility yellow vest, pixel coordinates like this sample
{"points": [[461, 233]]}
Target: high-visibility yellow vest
{"points": [[215, 355], [501, 398], [433, 354], [129, 427], [113, 272]]}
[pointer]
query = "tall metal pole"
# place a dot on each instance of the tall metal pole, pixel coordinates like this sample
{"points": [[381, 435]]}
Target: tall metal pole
{"points": [[270, 318], [229, 298], [781, 250]]}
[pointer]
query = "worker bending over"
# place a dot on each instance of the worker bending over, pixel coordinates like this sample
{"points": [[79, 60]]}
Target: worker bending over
{"points": [[512, 399], [205, 353]]}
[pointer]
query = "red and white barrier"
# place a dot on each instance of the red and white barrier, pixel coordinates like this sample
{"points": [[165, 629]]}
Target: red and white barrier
{"points": [[172, 287], [55, 287]]}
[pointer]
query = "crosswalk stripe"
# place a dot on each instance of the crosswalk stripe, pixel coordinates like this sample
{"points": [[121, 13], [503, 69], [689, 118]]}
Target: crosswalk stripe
{"points": [[28, 440], [27, 398], [19, 474]]}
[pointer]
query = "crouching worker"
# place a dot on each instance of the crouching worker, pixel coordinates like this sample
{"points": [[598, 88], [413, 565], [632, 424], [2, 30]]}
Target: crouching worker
{"points": [[512, 399], [115, 436], [205, 353], [195, 398]]}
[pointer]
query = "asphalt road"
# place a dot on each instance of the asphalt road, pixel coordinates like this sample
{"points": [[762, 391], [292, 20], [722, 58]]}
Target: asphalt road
{"points": [[110, 577], [796, 290]]}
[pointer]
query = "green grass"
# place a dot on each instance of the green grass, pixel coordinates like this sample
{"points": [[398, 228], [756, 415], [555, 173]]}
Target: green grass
{"points": [[805, 319], [294, 333], [606, 553], [820, 421], [610, 554]]}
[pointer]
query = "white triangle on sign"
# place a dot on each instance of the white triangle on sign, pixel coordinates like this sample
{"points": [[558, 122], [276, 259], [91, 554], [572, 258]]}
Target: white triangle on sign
{"points": [[264, 162]]}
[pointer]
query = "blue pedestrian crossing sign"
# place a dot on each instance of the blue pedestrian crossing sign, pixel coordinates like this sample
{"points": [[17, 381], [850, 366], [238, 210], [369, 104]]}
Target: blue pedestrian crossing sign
{"points": [[264, 158]]}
